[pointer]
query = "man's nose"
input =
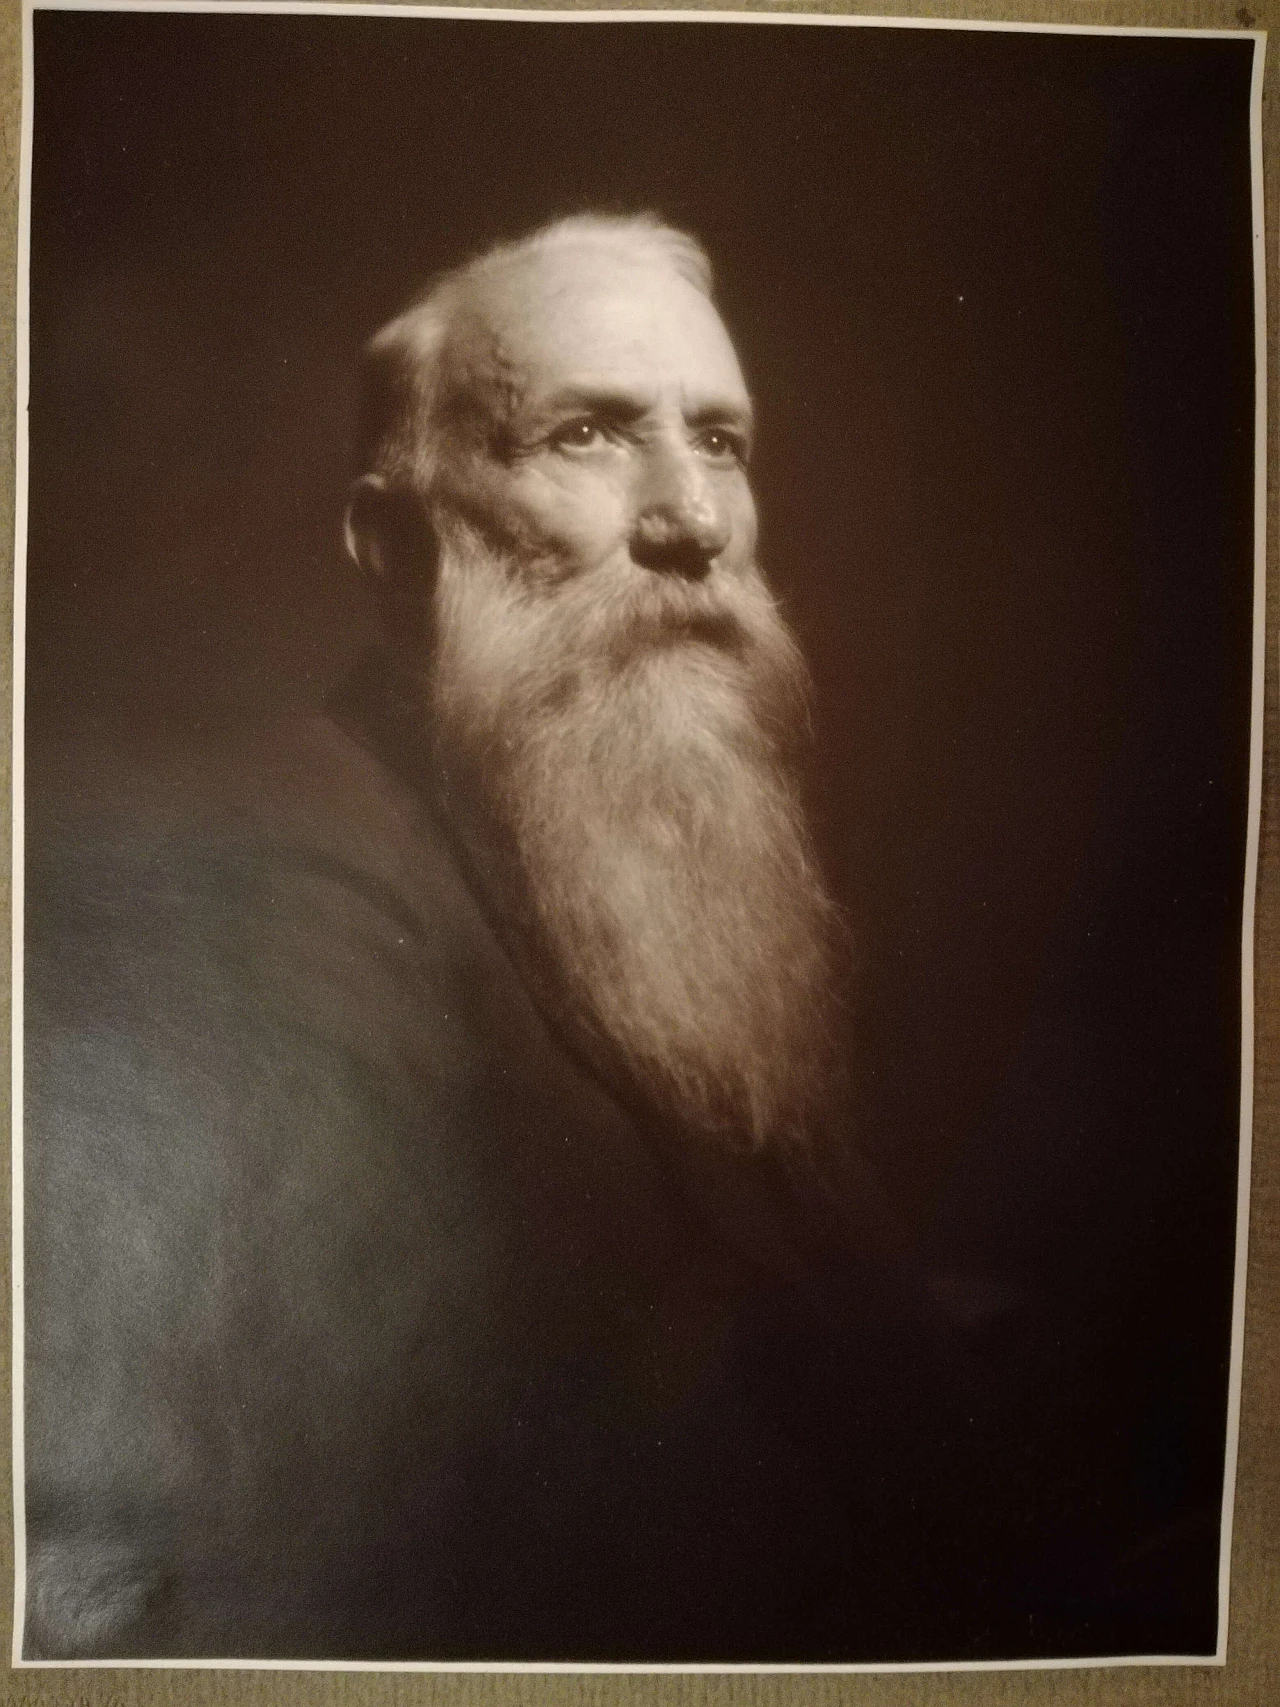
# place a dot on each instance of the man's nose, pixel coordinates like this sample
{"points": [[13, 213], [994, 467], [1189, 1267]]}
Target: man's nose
{"points": [[681, 524]]}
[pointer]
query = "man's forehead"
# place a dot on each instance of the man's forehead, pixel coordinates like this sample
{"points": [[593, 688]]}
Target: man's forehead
{"points": [[583, 315]]}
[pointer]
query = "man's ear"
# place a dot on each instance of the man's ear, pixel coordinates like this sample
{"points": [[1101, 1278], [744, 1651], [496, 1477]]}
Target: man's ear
{"points": [[389, 537], [387, 533]]}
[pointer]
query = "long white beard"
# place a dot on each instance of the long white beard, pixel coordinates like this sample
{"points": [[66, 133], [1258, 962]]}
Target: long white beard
{"points": [[616, 755]]}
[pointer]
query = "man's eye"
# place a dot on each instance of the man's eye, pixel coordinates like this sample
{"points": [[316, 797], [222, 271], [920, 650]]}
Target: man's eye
{"points": [[582, 434], [722, 445]]}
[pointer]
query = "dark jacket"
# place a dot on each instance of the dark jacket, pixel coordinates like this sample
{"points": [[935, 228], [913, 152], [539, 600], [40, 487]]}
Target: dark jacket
{"points": [[362, 1322]]}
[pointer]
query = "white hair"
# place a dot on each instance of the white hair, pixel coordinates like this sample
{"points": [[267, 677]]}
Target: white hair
{"points": [[404, 362], [616, 756]]}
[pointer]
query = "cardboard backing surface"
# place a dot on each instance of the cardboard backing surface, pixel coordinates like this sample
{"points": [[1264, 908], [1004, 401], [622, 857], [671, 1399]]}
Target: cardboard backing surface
{"points": [[1251, 1677]]}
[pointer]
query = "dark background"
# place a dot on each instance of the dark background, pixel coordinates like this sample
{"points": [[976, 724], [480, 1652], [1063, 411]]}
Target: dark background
{"points": [[993, 292]]}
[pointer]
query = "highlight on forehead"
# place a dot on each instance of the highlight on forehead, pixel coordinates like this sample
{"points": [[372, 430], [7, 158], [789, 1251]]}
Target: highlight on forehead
{"points": [[405, 377], [634, 237]]}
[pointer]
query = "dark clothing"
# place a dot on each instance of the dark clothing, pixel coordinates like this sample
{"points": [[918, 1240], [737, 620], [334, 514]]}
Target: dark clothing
{"points": [[362, 1322]]}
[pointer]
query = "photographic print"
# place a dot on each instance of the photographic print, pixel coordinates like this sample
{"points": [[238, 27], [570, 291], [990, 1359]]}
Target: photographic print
{"points": [[637, 775]]}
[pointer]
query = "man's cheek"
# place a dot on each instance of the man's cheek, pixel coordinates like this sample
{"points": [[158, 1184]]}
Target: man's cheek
{"points": [[745, 527], [579, 516]]}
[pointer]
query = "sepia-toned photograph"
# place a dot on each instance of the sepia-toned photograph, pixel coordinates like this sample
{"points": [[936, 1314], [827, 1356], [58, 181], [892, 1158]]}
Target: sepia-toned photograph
{"points": [[637, 777]]}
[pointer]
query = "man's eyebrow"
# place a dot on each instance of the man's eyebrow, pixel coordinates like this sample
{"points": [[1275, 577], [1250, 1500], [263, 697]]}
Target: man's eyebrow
{"points": [[627, 406], [593, 399], [722, 413]]}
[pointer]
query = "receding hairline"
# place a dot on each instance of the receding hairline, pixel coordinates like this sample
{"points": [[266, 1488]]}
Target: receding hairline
{"points": [[402, 360], [640, 238]]}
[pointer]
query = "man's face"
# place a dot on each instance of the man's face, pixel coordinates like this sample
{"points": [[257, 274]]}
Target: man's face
{"points": [[615, 697], [614, 422]]}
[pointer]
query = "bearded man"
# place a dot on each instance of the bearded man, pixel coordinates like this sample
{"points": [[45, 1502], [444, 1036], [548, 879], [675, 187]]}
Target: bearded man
{"points": [[613, 698], [437, 1216]]}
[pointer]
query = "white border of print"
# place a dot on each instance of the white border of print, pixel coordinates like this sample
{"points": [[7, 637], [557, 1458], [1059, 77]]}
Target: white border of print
{"points": [[529, 15]]}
